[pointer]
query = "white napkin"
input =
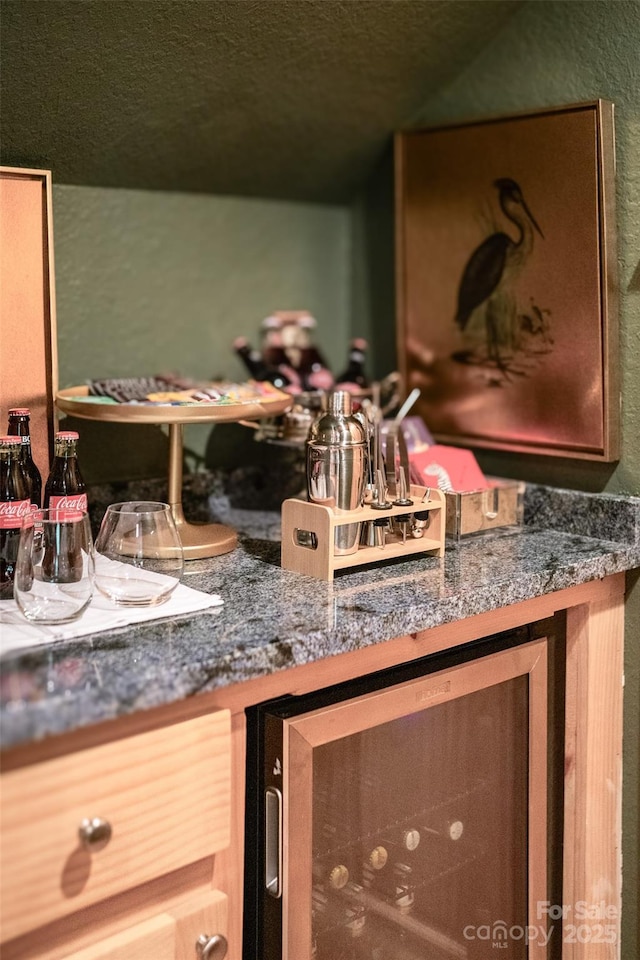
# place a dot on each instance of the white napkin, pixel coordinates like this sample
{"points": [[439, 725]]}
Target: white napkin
{"points": [[16, 632]]}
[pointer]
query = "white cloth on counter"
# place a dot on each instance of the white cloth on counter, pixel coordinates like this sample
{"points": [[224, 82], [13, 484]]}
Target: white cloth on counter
{"points": [[17, 633]]}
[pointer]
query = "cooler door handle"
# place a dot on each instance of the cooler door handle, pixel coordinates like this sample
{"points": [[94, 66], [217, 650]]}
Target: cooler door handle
{"points": [[273, 841]]}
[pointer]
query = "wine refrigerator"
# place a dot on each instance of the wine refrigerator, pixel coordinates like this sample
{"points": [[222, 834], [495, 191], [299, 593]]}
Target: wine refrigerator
{"points": [[405, 816]]}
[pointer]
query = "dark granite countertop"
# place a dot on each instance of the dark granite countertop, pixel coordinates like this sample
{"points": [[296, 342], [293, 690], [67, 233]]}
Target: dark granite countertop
{"points": [[273, 619]]}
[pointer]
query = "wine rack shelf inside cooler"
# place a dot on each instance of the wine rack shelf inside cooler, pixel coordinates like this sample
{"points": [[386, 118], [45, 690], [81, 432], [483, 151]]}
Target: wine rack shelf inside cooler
{"points": [[308, 534], [435, 841]]}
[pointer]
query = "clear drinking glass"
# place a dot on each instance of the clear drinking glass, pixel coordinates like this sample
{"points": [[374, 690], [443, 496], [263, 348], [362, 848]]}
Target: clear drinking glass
{"points": [[54, 569], [139, 559]]}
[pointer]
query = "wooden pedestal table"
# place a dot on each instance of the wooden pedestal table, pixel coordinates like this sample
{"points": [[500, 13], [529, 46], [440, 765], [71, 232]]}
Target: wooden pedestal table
{"points": [[198, 539]]}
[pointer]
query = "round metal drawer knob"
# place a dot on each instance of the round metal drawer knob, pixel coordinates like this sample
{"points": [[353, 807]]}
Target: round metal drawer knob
{"points": [[94, 833], [211, 948]]}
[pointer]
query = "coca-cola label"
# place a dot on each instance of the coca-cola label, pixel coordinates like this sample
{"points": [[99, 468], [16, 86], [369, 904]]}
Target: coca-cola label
{"points": [[13, 512], [73, 504]]}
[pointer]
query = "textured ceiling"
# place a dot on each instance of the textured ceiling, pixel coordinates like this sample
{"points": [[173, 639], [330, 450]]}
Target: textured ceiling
{"points": [[291, 99]]}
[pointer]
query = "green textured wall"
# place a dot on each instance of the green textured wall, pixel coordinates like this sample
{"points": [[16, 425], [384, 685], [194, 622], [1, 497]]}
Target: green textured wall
{"points": [[553, 53], [152, 281]]}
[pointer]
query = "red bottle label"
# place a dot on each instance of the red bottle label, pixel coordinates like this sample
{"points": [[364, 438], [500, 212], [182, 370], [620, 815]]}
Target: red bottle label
{"points": [[12, 513], [73, 502]]}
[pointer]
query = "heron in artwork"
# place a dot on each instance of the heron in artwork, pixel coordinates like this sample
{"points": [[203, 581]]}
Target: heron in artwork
{"points": [[493, 265]]}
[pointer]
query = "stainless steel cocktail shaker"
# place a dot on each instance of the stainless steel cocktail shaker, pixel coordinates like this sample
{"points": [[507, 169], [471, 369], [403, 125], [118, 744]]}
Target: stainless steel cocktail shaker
{"points": [[336, 458]]}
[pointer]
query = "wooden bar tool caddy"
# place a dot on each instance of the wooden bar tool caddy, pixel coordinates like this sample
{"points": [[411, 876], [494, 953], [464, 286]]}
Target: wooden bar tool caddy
{"points": [[308, 541]]}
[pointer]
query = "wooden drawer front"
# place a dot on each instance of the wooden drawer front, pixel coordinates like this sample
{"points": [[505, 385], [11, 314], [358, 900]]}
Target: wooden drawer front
{"points": [[151, 940], [168, 936], [166, 795]]}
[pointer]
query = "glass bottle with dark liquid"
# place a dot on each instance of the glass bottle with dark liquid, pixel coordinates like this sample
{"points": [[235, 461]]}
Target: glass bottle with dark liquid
{"points": [[353, 373], [259, 369], [65, 488], [65, 492], [19, 426], [14, 506]]}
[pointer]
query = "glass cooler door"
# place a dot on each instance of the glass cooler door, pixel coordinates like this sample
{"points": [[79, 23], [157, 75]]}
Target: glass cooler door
{"points": [[410, 823]]}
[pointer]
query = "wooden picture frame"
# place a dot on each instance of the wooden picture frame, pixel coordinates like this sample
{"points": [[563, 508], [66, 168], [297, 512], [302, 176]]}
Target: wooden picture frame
{"points": [[507, 281], [28, 355]]}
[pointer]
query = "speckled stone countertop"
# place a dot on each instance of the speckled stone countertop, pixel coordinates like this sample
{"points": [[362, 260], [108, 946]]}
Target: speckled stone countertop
{"points": [[273, 619]]}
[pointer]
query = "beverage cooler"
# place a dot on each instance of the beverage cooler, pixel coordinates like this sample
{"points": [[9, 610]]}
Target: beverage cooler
{"points": [[404, 816]]}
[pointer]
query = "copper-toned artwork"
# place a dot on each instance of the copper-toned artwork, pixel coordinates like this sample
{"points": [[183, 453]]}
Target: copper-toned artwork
{"points": [[506, 271]]}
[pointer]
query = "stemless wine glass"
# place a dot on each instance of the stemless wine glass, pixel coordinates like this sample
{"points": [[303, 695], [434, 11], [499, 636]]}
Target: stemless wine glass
{"points": [[139, 559], [54, 568]]}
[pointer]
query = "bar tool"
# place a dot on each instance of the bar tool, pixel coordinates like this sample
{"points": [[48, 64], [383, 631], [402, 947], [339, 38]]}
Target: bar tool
{"points": [[336, 458], [402, 500], [381, 502], [419, 523], [380, 525]]}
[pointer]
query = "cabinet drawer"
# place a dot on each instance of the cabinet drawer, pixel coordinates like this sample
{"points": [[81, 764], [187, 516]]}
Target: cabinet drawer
{"points": [[153, 939], [165, 795], [168, 936]]}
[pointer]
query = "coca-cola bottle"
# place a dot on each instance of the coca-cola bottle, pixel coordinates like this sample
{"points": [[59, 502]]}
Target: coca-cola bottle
{"points": [[65, 489], [14, 506], [19, 418], [66, 492]]}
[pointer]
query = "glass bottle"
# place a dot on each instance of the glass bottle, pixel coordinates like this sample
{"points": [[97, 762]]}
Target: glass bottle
{"points": [[273, 352], [14, 506], [354, 374], [275, 355], [339, 921], [335, 876], [19, 426], [450, 829], [375, 866], [402, 846], [257, 367], [65, 488], [312, 367]]}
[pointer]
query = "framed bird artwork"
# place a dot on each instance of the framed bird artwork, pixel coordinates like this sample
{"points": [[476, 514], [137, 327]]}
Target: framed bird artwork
{"points": [[506, 281]]}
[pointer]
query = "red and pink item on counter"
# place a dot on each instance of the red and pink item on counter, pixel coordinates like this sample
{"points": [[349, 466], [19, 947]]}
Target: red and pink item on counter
{"points": [[447, 468]]}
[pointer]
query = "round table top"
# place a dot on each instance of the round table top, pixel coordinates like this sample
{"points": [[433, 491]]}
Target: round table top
{"points": [[75, 401]]}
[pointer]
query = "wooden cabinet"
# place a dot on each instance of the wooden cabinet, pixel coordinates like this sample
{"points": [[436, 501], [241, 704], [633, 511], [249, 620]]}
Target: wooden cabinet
{"points": [[90, 826], [173, 793], [589, 683]]}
